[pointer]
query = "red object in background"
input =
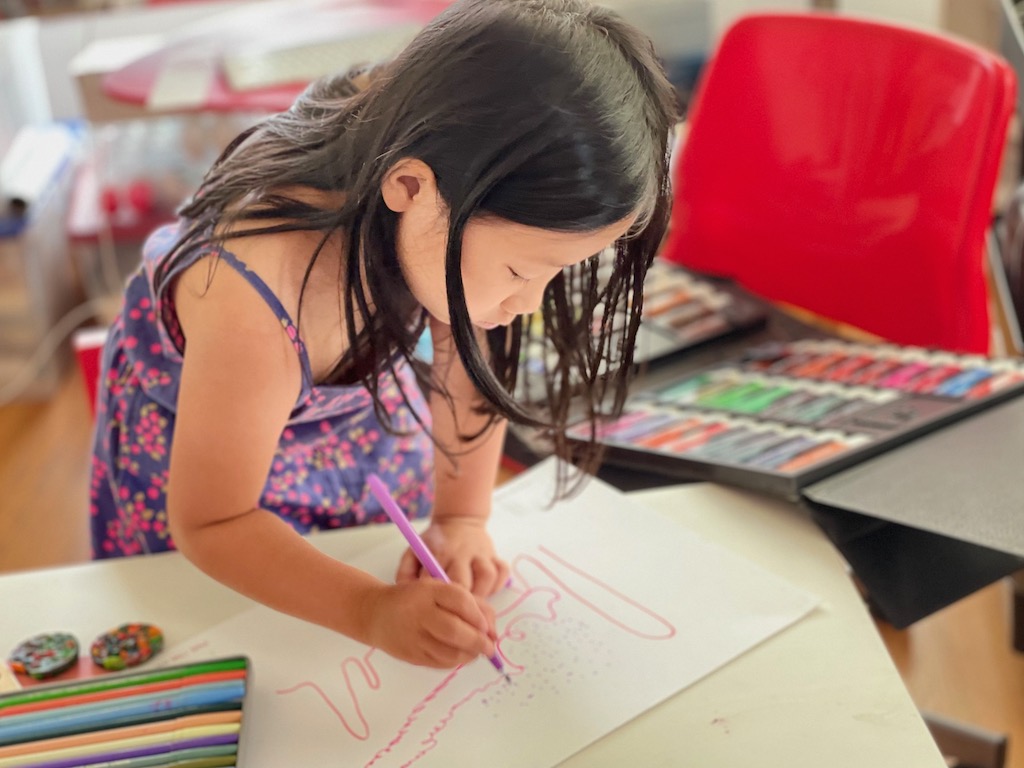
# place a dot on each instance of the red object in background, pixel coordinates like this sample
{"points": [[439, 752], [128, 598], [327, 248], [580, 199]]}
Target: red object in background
{"points": [[259, 23], [108, 200], [141, 197], [847, 167], [88, 345]]}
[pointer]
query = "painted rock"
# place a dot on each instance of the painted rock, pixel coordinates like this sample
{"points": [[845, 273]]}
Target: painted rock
{"points": [[127, 646], [46, 655]]}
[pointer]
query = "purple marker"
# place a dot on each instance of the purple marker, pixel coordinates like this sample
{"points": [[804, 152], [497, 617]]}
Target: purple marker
{"points": [[424, 555]]}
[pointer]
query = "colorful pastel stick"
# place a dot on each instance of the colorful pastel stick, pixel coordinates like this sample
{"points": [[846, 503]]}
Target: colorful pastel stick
{"points": [[204, 757], [837, 416], [814, 456], [902, 377], [772, 457], [960, 385], [761, 400], [926, 383], [782, 407], [993, 384], [699, 437], [88, 752], [131, 721], [816, 367], [167, 750], [655, 421], [789, 362], [611, 427], [680, 395], [120, 693], [120, 681], [843, 371], [683, 391], [724, 399], [695, 430], [721, 443], [186, 695], [202, 762], [668, 434], [818, 408], [45, 724], [764, 442], [877, 370], [170, 726]]}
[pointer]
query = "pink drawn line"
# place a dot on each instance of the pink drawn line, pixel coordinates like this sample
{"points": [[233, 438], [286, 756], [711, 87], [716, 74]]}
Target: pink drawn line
{"points": [[372, 678], [670, 629], [430, 742]]}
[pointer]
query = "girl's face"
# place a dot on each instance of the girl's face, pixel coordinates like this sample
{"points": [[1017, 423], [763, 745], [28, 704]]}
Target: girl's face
{"points": [[505, 266]]}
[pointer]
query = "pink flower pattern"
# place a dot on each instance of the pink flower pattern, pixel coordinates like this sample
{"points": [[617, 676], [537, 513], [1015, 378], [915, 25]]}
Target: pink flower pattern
{"points": [[317, 478]]}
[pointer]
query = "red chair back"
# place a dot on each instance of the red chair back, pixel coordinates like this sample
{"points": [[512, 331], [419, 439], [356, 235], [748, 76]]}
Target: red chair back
{"points": [[847, 167]]}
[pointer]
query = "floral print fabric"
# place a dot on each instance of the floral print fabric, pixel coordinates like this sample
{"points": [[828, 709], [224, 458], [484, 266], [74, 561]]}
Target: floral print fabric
{"points": [[332, 441]]}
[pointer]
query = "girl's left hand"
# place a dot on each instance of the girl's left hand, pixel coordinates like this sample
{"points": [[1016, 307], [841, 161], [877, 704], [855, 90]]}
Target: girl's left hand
{"points": [[464, 549]]}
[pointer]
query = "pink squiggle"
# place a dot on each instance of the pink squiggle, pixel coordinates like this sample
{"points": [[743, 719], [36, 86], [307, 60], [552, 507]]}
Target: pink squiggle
{"points": [[510, 632], [670, 629], [370, 676], [430, 740]]}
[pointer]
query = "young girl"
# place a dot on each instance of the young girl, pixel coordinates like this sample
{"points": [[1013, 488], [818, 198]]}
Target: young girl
{"points": [[264, 362]]}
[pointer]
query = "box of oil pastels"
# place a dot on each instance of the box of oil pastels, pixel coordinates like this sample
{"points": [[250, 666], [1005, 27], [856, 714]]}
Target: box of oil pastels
{"points": [[184, 715], [786, 414], [681, 311]]}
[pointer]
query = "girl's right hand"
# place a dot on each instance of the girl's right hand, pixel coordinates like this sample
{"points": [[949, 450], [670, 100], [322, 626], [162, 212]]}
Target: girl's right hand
{"points": [[431, 623]]}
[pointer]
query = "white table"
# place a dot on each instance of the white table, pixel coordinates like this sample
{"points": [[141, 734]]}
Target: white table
{"points": [[822, 693]]}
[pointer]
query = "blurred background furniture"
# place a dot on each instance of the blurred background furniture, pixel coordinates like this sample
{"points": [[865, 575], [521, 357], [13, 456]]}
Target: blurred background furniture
{"points": [[817, 170]]}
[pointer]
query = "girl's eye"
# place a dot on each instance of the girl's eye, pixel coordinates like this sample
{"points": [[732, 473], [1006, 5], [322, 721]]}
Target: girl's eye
{"points": [[517, 276]]}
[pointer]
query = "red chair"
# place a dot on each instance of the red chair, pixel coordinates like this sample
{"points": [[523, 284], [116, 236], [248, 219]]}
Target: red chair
{"points": [[847, 167]]}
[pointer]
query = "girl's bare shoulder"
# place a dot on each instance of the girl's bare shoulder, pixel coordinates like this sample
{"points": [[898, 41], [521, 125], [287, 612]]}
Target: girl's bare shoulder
{"points": [[281, 259]]}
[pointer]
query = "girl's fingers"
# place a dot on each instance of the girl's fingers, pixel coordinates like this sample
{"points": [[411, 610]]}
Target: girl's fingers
{"points": [[460, 573], [485, 575], [408, 567], [462, 607], [459, 641], [441, 656], [502, 575]]}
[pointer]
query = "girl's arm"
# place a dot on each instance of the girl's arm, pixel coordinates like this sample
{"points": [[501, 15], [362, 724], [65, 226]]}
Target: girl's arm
{"points": [[240, 381], [464, 487]]}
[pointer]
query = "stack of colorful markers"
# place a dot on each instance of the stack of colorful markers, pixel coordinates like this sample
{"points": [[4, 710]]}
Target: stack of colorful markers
{"points": [[185, 716]]}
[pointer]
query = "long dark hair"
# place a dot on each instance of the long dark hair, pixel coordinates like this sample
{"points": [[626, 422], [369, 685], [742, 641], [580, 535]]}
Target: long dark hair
{"points": [[549, 113]]}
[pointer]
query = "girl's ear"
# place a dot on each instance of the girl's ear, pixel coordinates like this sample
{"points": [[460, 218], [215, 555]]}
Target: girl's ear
{"points": [[407, 183]]}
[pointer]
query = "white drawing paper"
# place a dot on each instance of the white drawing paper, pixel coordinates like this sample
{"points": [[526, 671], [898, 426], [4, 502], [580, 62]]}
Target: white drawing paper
{"points": [[612, 609]]}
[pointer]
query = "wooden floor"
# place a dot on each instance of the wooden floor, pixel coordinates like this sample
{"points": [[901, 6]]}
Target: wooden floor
{"points": [[958, 663]]}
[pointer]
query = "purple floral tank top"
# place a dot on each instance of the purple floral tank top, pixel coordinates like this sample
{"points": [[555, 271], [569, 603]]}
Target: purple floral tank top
{"points": [[317, 480]]}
